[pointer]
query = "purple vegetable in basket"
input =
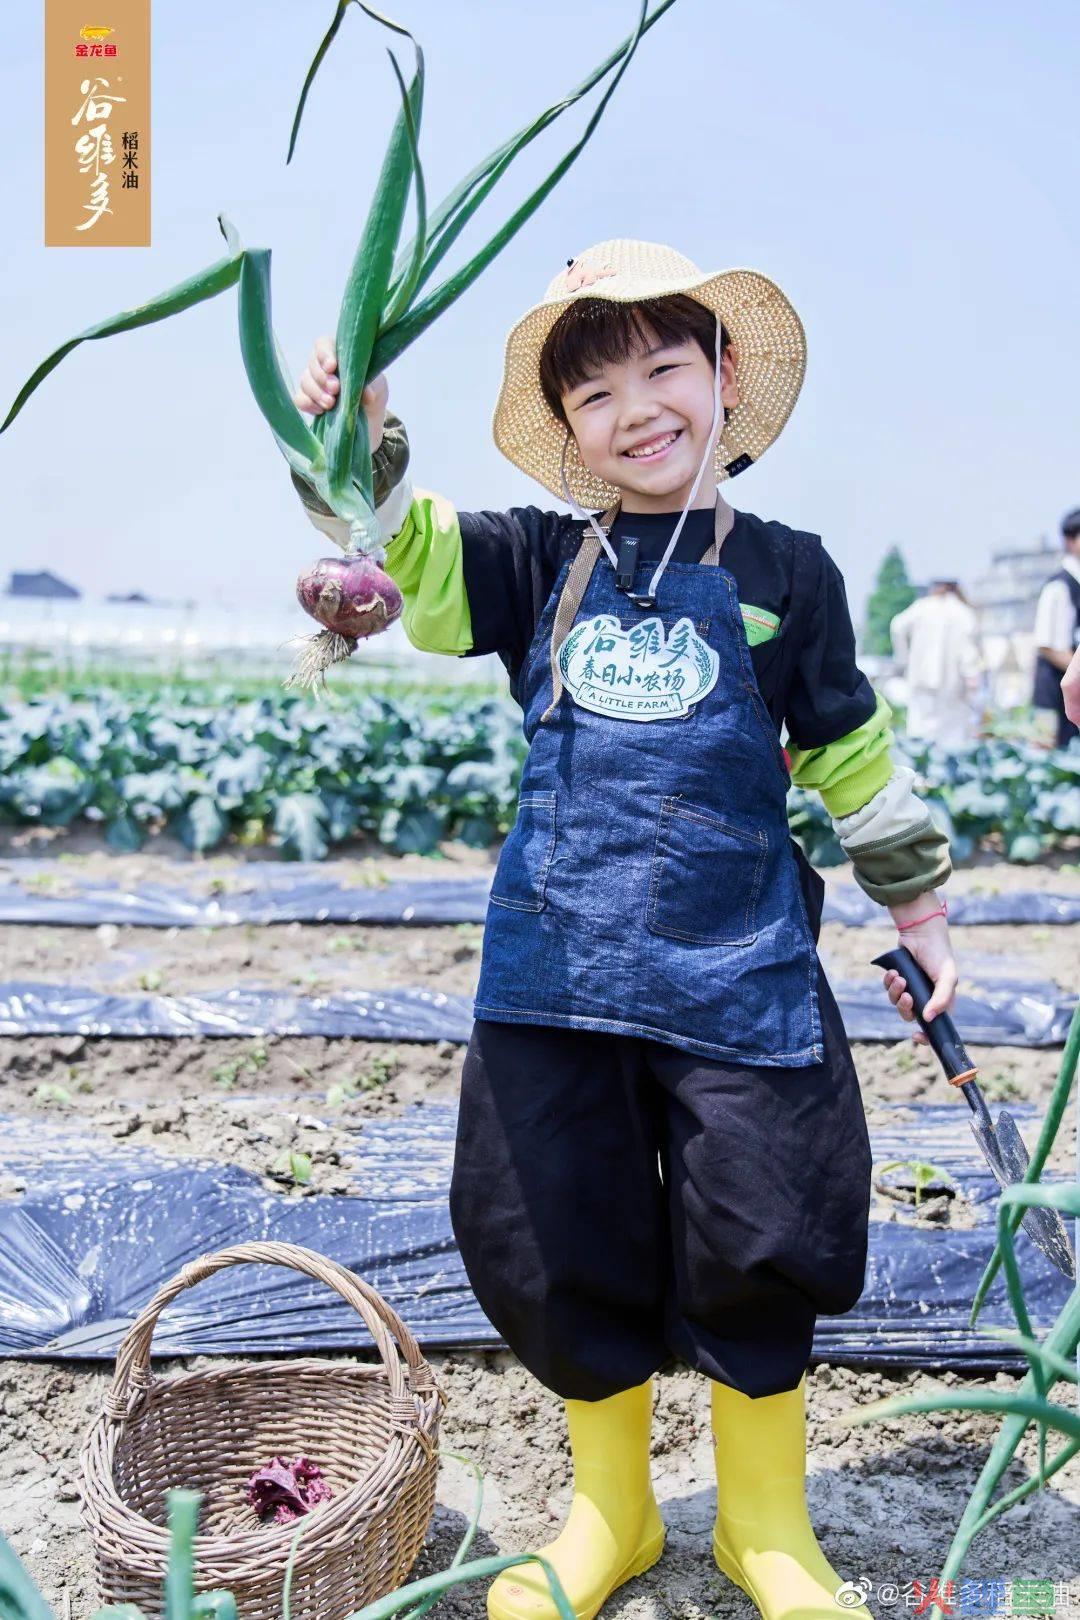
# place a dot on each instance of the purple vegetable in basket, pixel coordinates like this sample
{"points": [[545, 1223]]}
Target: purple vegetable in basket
{"points": [[281, 1492]]}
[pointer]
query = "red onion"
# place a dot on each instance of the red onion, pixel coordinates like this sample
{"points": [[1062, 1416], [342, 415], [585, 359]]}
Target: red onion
{"points": [[352, 597]]}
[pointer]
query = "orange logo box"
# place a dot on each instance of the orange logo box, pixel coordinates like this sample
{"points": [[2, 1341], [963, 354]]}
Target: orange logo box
{"points": [[97, 125]]}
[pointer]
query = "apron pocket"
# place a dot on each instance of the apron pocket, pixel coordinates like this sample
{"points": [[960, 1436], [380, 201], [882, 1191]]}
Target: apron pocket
{"points": [[706, 877], [521, 875]]}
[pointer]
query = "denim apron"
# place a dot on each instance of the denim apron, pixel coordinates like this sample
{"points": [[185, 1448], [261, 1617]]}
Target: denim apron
{"points": [[648, 886]]}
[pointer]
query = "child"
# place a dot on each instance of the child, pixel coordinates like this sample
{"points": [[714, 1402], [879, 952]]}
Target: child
{"points": [[662, 1150]]}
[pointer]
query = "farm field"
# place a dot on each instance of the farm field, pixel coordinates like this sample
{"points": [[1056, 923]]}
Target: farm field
{"points": [[884, 1498]]}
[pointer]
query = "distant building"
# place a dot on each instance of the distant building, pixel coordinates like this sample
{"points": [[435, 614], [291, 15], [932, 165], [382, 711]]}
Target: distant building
{"points": [[1007, 593], [43, 584]]}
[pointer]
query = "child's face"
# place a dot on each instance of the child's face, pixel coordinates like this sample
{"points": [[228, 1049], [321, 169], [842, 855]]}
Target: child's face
{"points": [[660, 403]]}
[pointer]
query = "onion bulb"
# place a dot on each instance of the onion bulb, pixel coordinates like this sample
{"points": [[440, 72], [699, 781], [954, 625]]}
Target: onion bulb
{"points": [[352, 597]]}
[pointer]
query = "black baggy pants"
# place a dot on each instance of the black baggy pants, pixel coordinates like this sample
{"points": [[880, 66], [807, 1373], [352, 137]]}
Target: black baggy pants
{"points": [[619, 1202]]}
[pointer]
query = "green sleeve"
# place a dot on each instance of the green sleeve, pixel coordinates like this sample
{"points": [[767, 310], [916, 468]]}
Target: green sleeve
{"points": [[848, 773], [424, 559]]}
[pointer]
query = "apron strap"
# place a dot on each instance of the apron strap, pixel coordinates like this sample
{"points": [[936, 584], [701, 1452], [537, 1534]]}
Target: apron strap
{"points": [[580, 572], [725, 522], [805, 585]]}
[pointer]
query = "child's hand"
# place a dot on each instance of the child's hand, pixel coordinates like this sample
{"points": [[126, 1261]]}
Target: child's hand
{"points": [[320, 386], [1070, 688], [930, 945]]}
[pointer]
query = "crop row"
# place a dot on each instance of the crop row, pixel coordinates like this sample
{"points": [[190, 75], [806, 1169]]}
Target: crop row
{"points": [[407, 771]]}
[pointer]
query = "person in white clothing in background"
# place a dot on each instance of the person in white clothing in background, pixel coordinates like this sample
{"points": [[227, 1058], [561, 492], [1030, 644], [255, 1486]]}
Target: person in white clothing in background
{"points": [[1057, 636], [936, 641]]}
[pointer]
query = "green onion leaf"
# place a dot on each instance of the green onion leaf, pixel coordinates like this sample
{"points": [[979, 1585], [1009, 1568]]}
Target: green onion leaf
{"points": [[450, 217], [409, 328], [365, 299], [1055, 1113], [195, 290], [311, 72], [409, 283], [259, 349]]}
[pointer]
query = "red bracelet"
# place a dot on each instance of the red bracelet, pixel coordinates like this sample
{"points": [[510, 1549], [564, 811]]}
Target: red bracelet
{"points": [[902, 928]]}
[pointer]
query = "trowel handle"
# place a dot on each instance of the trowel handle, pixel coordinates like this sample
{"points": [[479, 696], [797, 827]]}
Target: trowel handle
{"points": [[941, 1032]]}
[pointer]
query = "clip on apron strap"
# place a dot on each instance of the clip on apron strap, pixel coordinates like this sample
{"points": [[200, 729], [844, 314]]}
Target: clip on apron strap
{"points": [[580, 572]]}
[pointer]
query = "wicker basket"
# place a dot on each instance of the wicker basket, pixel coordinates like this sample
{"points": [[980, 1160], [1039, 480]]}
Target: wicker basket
{"points": [[372, 1429]]}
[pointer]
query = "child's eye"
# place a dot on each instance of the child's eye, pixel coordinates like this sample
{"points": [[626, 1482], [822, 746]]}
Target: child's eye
{"points": [[598, 395], [669, 365]]}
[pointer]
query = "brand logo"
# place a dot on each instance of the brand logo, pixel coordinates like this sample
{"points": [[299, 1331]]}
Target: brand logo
{"points": [[97, 123], [637, 674], [92, 38]]}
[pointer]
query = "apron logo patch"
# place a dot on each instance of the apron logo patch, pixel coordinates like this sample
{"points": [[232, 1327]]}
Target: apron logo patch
{"points": [[640, 673]]}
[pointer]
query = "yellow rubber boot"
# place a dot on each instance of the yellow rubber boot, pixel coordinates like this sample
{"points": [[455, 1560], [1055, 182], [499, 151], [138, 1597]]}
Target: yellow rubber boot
{"points": [[764, 1540], [614, 1530]]}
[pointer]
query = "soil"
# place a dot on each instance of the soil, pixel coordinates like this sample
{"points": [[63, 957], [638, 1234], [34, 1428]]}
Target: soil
{"points": [[884, 1497]]}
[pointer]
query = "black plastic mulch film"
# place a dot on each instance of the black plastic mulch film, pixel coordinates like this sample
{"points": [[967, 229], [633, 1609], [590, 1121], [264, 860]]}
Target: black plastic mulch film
{"points": [[101, 1225], [40, 891], [1006, 1012]]}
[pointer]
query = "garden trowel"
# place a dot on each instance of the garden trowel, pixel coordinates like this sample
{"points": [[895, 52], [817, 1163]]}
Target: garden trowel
{"points": [[1001, 1143]]}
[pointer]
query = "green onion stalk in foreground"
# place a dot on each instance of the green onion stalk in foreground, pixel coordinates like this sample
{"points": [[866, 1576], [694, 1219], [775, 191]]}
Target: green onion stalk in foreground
{"points": [[1049, 1360], [386, 306], [21, 1600]]}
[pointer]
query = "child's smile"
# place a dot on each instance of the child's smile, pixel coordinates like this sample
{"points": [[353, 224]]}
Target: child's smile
{"points": [[643, 424], [655, 448]]}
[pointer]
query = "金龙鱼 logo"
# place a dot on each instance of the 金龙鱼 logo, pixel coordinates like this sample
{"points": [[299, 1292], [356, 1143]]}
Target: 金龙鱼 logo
{"points": [[94, 40]]}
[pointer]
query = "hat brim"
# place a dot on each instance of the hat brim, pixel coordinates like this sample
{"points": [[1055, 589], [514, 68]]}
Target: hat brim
{"points": [[770, 364]]}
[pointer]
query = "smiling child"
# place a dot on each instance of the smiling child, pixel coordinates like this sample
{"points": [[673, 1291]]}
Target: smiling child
{"points": [[662, 1151]]}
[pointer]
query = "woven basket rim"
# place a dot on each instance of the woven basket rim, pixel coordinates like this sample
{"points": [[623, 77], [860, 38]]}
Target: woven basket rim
{"points": [[268, 1542]]}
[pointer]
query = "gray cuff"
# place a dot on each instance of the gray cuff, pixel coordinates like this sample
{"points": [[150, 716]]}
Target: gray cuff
{"points": [[388, 465], [904, 866]]}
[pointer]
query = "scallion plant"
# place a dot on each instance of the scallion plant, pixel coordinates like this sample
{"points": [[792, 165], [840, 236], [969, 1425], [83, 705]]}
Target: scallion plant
{"points": [[386, 306], [1050, 1360]]}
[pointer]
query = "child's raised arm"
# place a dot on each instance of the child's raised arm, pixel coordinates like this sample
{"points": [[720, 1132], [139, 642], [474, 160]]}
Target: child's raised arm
{"points": [[426, 570]]}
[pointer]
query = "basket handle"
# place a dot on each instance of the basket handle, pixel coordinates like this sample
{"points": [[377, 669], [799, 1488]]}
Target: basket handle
{"points": [[132, 1377]]}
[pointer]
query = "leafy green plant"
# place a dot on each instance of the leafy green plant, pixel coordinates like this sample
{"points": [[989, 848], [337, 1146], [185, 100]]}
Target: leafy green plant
{"points": [[293, 1165], [1001, 1086], [923, 1174], [342, 1091], [226, 1074], [377, 1073], [407, 770], [49, 1091]]}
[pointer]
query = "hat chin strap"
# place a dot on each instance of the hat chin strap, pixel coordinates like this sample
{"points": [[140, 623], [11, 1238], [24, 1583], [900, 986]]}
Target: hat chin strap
{"points": [[719, 416]]}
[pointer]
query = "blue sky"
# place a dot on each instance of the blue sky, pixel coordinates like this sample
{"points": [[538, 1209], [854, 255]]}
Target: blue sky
{"points": [[906, 171]]}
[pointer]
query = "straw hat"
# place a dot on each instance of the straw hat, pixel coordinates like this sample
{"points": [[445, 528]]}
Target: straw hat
{"points": [[770, 361]]}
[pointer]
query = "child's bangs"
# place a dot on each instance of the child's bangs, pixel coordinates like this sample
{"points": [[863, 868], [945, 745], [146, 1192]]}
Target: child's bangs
{"points": [[596, 332]]}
